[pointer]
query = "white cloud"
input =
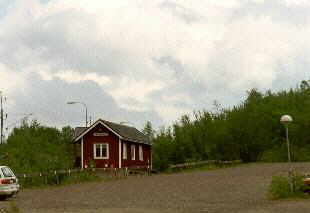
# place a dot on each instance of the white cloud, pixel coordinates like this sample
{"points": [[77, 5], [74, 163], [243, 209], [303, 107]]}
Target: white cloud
{"points": [[168, 56], [255, 48], [10, 81], [297, 2], [74, 77], [171, 113]]}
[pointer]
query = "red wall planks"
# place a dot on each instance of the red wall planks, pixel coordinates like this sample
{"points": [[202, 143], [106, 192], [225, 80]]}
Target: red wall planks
{"points": [[88, 143], [110, 138]]}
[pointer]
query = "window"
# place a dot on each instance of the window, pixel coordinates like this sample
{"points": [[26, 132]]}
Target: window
{"points": [[7, 172], [140, 153], [133, 152], [101, 151], [124, 150]]}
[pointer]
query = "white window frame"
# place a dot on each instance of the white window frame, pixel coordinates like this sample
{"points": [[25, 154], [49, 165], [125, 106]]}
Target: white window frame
{"points": [[124, 151], [133, 154], [140, 153], [101, 145]]}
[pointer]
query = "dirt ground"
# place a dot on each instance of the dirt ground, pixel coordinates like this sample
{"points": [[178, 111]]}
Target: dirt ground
{"points": [[239, 189]]}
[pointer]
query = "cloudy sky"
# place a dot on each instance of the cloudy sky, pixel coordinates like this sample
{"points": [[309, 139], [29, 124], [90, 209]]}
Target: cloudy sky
{"points": [[139, 60]]}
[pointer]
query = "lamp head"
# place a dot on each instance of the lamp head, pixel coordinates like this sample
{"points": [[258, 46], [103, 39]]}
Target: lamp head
{"points": [[71, 102], [286, 119]]}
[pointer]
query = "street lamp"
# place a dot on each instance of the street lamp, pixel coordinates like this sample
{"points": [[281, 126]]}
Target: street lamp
{"points": [[76, 102], [285, 120]]}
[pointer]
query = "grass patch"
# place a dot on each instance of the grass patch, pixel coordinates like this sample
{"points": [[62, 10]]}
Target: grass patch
{"points": [[58, 180], [81, 177], [13, 208], [206, 167], [280, 187]]}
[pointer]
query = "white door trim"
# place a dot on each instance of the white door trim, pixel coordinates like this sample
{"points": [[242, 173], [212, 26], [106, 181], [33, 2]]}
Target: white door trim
{"points": [[119, 153], [82, 152]]}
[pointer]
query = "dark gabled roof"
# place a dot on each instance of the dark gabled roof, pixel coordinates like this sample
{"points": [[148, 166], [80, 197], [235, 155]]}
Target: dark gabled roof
{"points": [[125, 132], [78, 131]]}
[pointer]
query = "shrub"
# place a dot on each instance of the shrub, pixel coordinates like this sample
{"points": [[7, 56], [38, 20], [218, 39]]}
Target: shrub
{"points": [[301, 154], [280, 187], [279, 154], [299, 186], [276, 154]]}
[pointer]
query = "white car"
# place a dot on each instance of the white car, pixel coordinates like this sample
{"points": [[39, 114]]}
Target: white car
{"points": [[8, 182]]}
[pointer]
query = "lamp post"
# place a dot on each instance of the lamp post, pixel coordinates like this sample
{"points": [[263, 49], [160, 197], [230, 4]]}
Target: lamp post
{"points": [[1, 117], [285, 120], [76, 102]]}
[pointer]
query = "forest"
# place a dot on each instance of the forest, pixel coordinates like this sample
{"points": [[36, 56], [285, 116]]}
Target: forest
{"points": [[37, 148], [250, 131]]}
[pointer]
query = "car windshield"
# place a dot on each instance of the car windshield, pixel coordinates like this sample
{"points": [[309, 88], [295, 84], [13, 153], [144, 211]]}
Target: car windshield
{"points": [[7, 172]]}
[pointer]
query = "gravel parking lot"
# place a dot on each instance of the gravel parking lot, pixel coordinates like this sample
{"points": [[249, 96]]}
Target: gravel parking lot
{"points": [[239, 189]]}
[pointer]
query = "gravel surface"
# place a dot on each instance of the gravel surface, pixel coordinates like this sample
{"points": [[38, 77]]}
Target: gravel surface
{"points": [[239, 189]]}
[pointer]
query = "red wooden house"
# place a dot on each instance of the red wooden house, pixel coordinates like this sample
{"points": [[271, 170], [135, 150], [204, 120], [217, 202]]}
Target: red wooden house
{"points": [[110, 145]]}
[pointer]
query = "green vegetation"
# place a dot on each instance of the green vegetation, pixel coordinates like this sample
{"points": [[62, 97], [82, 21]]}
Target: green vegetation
{"points": [[13, 208], [33, 148], [58, 179], [36, 148], [80, 177], [205, 167], [148, 131], [280, 187], [250, 131]]}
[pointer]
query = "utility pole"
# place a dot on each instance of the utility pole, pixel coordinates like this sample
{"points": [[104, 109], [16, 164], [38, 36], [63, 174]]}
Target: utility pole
{"points": [[1, 118], [90, 120]]}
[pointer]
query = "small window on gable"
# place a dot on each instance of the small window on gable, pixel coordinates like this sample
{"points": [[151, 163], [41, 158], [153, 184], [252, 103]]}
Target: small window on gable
{"points": [[133, 152], [140, 153], [101, 151], [124, 150]]}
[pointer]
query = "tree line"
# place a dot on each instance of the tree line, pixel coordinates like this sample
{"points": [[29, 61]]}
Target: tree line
{"points": [[33, 147], [249, 131]]}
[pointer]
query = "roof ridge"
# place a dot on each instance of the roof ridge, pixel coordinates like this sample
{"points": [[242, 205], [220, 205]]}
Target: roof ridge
{"points": [[124, 131], [120, 124]]}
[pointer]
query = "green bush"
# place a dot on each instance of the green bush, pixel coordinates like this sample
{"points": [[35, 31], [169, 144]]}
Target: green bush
{"points": [[276, 154], [299, 186], [279, 154], [33, 148], [280, 187], [301, 154]]}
